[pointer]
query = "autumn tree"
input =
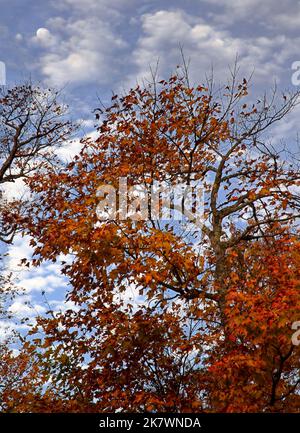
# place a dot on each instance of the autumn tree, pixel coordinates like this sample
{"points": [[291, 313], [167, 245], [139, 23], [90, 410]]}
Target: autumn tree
{"points": [[32, 125], [212, 330]]}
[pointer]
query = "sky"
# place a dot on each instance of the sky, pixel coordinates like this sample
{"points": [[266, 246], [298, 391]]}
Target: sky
{"points": [[92, 48]]}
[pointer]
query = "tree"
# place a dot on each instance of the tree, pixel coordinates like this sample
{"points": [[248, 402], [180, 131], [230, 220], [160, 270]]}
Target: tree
{"points": [[214, 330], [32, 126]]}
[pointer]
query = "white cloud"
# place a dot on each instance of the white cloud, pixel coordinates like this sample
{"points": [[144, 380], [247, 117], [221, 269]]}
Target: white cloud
{"points": [[46, 277], [62, 306], [105, 7], [89, 45], [7, 329], [15, 190], [205, 44], [46, 283], [266, 13], [71, 148], [44, 38], [19, 250], [86, 50], [33, 284], [22, 308]]}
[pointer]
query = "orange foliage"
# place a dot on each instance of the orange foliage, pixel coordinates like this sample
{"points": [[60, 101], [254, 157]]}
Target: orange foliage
{"points": [[213, 330]]}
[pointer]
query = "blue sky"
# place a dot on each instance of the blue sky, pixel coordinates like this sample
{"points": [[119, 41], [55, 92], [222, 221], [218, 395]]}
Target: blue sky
{"points": [[92, 48], [96, 46]]}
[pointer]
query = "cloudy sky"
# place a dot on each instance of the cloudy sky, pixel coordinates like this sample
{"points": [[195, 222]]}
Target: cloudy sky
{"points": [[93, 47]]}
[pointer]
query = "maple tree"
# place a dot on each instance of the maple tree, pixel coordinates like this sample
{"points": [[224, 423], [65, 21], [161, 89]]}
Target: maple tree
{"points": [[212, 331]]}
